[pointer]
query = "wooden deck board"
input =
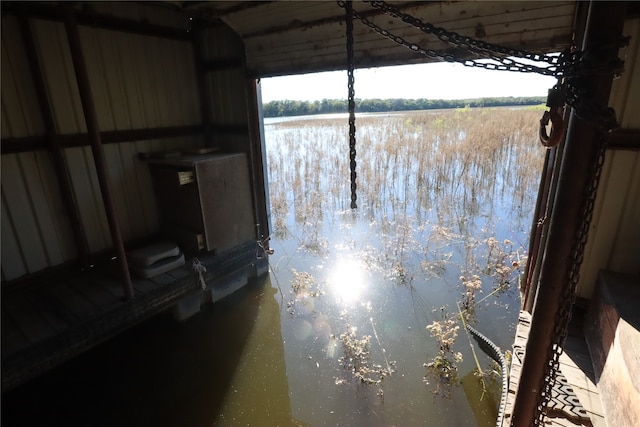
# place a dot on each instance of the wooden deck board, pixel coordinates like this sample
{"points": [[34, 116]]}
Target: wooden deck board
{"points": [[109, 285], [180, 273], [58, 317], [61, 315], [143, 286], [92, 290], [75, 303], [31, 323], [12, 338], [162, 279], [575, 364]]}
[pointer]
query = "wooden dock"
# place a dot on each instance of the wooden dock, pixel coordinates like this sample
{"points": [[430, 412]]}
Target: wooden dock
{"points": [[49, 321], [575, 366]]}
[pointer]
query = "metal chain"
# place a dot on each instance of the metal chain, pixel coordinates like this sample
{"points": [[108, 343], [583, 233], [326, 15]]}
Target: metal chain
{"points": [[563, 316], [458, 40], [352, 103], [568, 63], [570, 68], [498, 54]]}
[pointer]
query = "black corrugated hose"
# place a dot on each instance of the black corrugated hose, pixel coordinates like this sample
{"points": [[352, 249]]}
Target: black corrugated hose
{"points": [[495, 353]]}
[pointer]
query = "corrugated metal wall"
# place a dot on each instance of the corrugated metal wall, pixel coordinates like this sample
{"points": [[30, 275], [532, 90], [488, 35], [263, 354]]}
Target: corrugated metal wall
{"points": [[228, 107], [35, 228], [614, 240], [138, 82]]}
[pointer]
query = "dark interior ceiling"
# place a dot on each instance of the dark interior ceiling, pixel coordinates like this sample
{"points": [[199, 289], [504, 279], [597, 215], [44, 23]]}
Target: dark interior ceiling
{"points": [[294, 37]]}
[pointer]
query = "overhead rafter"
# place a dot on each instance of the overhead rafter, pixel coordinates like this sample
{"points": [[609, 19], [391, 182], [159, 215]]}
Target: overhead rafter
{"points": [[297, 24]]}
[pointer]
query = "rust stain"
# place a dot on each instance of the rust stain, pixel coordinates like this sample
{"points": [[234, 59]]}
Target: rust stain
{"points": [[480, 31]]}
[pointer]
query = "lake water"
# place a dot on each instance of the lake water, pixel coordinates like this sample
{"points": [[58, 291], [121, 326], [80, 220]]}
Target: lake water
{"points": [[337, 334]]}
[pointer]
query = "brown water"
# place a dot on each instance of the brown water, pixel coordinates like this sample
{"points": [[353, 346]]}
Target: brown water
{"points": [[337, 334]]}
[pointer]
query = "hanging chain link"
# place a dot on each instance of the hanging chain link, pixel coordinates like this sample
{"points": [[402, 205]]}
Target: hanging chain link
{"points": [[467, 44], [571, 67], [563, 315], [351, 102]]}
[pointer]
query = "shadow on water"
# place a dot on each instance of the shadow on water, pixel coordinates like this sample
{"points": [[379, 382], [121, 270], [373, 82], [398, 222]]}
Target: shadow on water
{"points": [[165, 373], [483, 403]]}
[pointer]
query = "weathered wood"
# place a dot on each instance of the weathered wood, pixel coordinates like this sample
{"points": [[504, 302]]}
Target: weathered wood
{"points": [[142, 286], [79, 306], [106, 284], [181, 273], [580, 379], [58, 317], [88, 287], [162, 279], [530, 27], [72, 298], [12, 338], [31, 323], [613, 337], [575, 173]]}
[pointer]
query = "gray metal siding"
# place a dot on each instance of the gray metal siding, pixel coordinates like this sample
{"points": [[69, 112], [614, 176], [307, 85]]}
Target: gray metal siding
{"points": [[138, 82]]}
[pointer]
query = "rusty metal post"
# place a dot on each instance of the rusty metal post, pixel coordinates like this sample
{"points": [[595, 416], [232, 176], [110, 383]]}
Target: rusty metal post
{"points": [[91, 119], [604, 24], [257, 153], [53, 142], [538, 229]]}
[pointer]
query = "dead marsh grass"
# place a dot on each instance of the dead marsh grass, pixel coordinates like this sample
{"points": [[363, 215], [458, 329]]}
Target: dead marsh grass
{"points": [[438, 195], [419, 174]]}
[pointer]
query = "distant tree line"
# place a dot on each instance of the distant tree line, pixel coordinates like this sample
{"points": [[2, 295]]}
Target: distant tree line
{"points": [[327, 106]]}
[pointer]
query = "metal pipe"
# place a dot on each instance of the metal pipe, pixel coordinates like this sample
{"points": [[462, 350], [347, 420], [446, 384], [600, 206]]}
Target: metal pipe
{"points": [[53, 143], [257, 153], [91, 119], [539, 227], [604, 24], [536, 226]]}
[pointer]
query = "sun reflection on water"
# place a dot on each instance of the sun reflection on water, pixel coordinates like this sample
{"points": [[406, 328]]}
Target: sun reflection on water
{"points": [[348, 280]]}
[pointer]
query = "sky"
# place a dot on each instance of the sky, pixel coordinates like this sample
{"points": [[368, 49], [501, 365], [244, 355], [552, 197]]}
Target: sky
{"points": [[431, 81]]}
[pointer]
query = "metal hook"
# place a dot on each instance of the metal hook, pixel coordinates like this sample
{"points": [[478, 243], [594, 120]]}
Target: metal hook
{"points": [[557, 127]]}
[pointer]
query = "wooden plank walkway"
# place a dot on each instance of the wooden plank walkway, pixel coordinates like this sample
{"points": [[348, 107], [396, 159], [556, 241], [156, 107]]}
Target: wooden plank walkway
{"points": [[47, 322], [55, 306], [575, 365]]}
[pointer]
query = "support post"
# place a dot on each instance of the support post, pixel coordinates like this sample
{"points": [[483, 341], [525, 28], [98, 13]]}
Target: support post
{"points": [[257, 154], [604, 24], [538, 229], [53, 143], [91, 119]]}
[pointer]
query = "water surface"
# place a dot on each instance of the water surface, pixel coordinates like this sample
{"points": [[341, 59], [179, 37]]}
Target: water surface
{"points": [[337, 333]]}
